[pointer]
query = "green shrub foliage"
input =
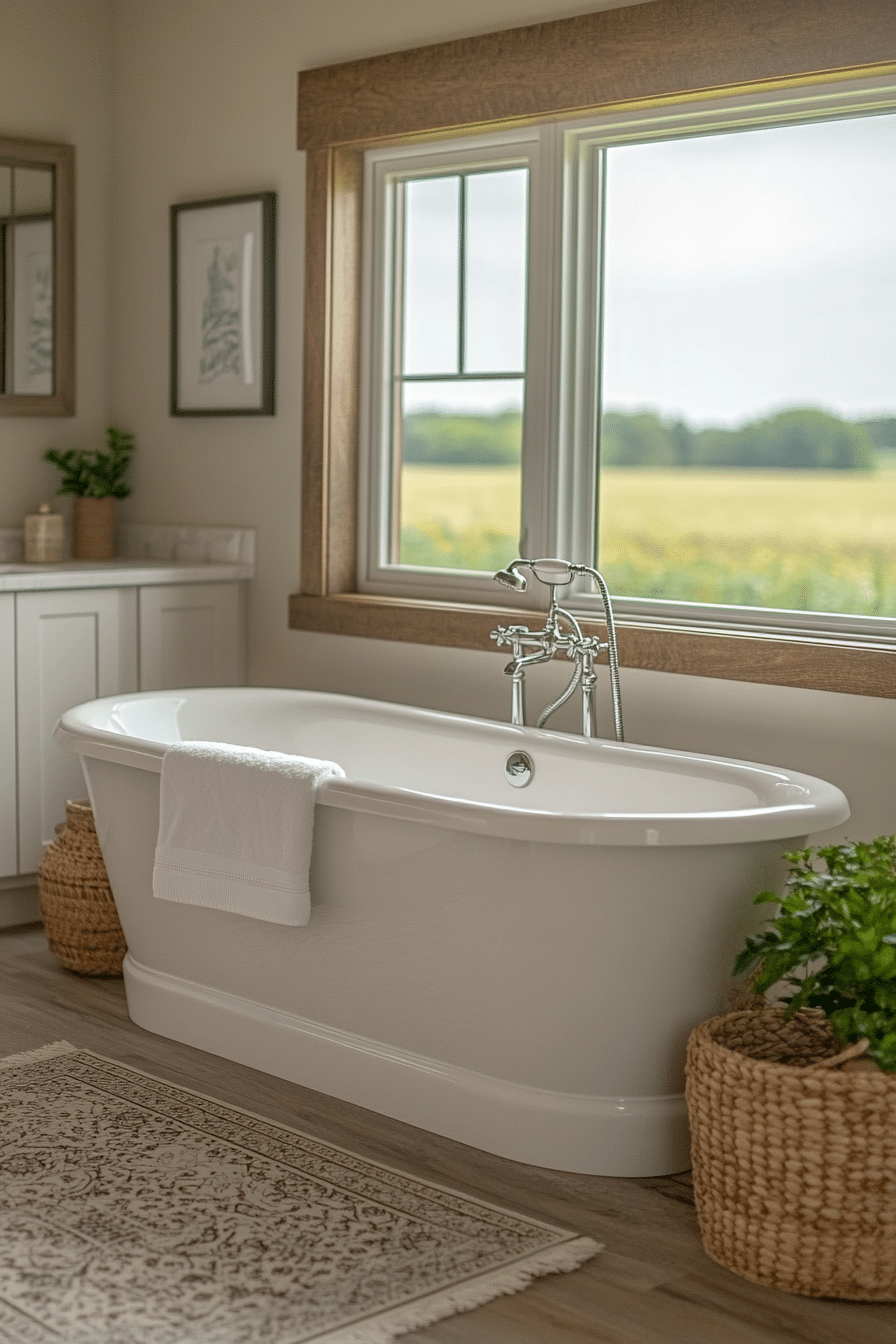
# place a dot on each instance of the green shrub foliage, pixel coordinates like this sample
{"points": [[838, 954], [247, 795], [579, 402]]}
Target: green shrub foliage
{"points": [[837, 927], [801, 439], [447, 439]]}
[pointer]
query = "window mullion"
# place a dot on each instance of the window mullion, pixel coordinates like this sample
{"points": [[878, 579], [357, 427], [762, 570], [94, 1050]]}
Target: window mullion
{"points": [[578, 355], [540, 429], [396, 367], [462, 275]]}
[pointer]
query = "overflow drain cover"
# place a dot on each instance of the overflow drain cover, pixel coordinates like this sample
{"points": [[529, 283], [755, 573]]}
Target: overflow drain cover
{"points": [[519, 769]]}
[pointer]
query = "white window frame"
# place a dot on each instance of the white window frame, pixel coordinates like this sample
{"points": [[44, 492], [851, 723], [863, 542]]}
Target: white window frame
{"points": [[533, 148], [560, 457]]}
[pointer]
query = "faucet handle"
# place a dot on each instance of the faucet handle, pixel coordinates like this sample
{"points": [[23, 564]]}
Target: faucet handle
{"points": [[505, 634]]}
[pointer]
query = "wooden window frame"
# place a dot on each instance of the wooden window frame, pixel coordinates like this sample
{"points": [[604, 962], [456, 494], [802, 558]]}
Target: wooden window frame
{"points": [[655, 53]]}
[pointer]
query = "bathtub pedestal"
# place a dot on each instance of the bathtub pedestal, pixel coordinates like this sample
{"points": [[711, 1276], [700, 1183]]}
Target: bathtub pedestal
{"points": [[600, 1136]]}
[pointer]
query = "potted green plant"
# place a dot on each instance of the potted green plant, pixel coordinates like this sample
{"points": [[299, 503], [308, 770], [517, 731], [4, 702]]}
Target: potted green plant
{"points": [[833, 943], [96, 479], [793, 1103]]}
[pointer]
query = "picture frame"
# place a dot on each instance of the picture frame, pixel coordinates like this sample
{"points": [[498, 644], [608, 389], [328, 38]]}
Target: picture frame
{"points": [[222, 306]]}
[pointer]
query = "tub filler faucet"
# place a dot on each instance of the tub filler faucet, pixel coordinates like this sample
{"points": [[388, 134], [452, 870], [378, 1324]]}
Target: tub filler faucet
{"points": [[528, 647]]}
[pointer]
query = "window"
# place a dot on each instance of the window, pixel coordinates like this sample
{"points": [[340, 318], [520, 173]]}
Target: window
{"points": [[650, 71], [748, 431], [448, 360], [706, 404]]}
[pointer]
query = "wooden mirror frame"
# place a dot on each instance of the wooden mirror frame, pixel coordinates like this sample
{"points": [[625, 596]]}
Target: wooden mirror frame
{"points": [[61, 159], [642, 55]]}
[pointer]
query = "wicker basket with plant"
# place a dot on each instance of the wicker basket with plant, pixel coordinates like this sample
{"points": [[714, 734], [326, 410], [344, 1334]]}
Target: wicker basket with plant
{"points": [[793, 1104]]}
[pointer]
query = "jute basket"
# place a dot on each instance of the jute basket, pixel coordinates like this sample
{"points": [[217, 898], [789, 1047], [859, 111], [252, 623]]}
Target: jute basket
{"points": [[76, 903], [794, 1161]]}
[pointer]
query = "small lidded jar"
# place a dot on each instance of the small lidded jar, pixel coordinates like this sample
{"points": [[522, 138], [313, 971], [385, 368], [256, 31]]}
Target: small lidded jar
{"points": [[43, 536]]}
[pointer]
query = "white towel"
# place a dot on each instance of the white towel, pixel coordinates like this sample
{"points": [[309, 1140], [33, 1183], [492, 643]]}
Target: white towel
{"points": [[235, 829]]}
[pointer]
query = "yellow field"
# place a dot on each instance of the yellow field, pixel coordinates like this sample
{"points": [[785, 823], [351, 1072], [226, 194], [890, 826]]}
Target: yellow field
{"points": [[793, 506], [746, 505], [461, 497], [805, 540]]}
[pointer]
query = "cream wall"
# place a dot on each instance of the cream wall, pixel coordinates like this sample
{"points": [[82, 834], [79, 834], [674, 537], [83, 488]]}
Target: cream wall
{"points": [[56, 84], [203, 105]]}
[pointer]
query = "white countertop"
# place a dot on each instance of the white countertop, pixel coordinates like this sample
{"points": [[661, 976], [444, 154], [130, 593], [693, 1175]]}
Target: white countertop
{"points": [[149, 553], [19, 578]]}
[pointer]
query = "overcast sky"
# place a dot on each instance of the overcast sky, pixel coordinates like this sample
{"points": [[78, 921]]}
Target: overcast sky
{"points": [[754, 270], [744, 273]]}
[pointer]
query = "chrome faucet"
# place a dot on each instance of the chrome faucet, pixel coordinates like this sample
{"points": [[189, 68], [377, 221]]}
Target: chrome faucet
{"points": [[584, 649]]}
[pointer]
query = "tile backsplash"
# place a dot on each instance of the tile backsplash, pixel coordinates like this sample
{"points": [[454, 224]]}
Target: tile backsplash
{"points": [[160, 541], [196, 545]]}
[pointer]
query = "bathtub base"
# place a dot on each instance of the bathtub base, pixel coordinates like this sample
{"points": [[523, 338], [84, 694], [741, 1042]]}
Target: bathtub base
{"points": [[599, 1136]]}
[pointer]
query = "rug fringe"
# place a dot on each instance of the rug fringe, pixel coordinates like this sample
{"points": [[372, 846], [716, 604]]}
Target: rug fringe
{"points": [[42, 1052], [465, 1296]]}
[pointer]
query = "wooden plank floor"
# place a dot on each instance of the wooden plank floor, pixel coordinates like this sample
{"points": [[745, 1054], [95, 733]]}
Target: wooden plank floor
{"points": [[653, 1284]]}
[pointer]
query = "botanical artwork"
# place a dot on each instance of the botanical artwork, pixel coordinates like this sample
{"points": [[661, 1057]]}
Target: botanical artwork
{"points": [[222, 306], [221, 332], [39, 304]]}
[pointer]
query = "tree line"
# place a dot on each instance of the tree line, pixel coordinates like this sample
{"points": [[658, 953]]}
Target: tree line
{"points": [[797, 439]]}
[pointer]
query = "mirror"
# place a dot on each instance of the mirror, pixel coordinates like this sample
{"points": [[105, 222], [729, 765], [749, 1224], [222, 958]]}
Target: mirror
{"points": [[36, 278]]}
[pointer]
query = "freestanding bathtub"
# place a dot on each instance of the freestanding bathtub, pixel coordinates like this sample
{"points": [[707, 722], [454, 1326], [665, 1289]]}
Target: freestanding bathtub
{"points": [[516, 968]]}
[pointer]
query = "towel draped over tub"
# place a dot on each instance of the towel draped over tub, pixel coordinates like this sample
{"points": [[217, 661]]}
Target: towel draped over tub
{"points": [[236, 827]]}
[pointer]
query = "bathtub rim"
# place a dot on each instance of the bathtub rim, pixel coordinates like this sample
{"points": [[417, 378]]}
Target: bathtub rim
{"points": [[790, 821]]}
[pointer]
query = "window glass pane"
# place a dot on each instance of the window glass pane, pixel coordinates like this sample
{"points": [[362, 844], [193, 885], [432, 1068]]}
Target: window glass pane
{"points": [[748, 441], [431, 275], [458, 492], [495, 271]]}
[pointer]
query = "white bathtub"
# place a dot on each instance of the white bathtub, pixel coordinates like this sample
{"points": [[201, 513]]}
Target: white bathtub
{"points": [[516, 968]]}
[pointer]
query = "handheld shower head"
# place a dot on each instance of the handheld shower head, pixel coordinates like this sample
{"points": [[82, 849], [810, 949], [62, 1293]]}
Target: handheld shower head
{"points": [[509, 578], [554, 573]]}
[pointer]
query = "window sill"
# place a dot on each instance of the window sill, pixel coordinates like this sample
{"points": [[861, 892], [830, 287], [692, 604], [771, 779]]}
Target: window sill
{"points": [[851, 666]]}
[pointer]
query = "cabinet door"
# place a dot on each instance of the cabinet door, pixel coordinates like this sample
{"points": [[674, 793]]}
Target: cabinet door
{"points": [[71, 646], [8, 842], [191, 634]]}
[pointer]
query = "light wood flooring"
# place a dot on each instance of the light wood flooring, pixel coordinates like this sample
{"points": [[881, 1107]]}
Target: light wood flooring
{"points": [[653, 1284]]}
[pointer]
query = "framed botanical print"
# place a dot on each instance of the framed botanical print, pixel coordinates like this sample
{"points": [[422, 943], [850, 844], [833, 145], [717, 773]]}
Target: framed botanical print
{"points": [[222, 306]]}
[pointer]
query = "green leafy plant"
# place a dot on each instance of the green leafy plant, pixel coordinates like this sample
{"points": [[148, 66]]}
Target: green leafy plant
{"points": [[95, 475], [837, 927]]}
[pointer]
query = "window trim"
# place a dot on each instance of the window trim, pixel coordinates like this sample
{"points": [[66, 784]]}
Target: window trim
{"points": [[662, 52]]}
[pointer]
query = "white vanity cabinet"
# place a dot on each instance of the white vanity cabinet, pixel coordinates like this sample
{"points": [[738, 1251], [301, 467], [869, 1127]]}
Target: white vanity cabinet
{"points": [[191, 634], [60, 646], [71, 645], [169, 612], [8, 848], [78, 644]]}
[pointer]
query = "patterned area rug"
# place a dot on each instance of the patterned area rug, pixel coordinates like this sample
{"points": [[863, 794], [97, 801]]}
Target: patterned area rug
{"points": [[136, 1212]]}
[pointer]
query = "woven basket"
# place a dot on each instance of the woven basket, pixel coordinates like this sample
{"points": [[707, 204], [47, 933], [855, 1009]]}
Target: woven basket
{"points": [[76, 902], [794, 1161]]}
